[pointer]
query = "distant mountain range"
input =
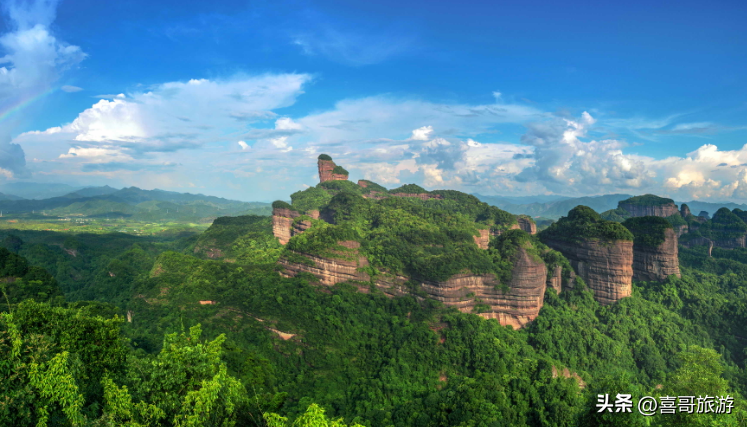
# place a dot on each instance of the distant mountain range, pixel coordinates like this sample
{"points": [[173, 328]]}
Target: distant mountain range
{"points": [[133, 203], [547, 207]]}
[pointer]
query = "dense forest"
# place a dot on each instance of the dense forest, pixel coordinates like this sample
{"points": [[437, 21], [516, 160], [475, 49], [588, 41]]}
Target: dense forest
{"points": [[200, 329]]}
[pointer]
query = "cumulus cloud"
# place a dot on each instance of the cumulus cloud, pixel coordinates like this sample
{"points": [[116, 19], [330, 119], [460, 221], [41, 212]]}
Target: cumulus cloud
{"points": [[33, 59], [169, 118], [422, 133], [563, 161]]}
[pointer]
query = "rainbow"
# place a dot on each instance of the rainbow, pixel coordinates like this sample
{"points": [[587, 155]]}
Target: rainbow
{"points": [[25, 102]]}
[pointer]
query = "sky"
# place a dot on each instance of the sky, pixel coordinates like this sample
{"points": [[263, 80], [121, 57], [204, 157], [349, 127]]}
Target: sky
{"points": [[237, 99]]}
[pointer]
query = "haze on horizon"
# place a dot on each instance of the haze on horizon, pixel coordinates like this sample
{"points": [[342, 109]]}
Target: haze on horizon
{"points": [[237, 99]]}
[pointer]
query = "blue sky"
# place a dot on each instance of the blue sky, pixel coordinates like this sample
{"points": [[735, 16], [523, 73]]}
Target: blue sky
{"points": [[237, 98]]}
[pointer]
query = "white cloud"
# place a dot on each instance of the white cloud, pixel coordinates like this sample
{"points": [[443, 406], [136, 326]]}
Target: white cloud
{"points": [[565, 163], [243, 145], [70, 89], [422, 133], [172, 117], [33, 60]]}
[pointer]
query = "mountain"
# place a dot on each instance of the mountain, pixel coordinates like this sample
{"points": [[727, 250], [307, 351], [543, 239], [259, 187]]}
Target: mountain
{"points": [[92, 192], [381, 307], [136, 204], [9, 197], [554, 208], [35, 190], [711, 207]]}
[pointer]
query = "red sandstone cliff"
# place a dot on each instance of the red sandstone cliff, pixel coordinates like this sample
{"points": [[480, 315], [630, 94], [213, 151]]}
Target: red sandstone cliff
{"points": [[282, 223], [527, 225], [517, 307], [606, 267], [483, 239], [650, 264], [643, 210], [555, 280], [325, 171]]}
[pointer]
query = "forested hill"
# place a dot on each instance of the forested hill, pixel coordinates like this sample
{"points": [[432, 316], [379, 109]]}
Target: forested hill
{"points": [[133, 203], [373, 306]]}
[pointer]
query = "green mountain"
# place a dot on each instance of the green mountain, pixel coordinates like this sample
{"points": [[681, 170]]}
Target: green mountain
{"points": [[556, 208], [135, 204], [362, 305]]}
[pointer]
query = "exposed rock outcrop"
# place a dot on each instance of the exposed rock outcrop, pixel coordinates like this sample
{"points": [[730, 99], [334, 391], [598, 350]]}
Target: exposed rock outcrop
{"points": [[527, 225], [704, 215], [555, 280], [655, 253], [519, 305], [731, 243], [606, 267], [326, 171], [483, 239], [699, 241], [329, 271], [282, 223], [663, 210], [685, 210], [656, 264]]}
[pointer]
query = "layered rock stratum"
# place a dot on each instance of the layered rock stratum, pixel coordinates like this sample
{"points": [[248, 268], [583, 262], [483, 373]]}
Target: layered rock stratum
{"points": [[649, 205], [606, 267], [516, 304], [282, 223]]}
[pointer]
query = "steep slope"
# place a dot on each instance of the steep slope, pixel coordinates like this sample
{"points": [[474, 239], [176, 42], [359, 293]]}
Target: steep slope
{"points": [[654, 248], [600, 251], [649, 205], [409, 240]]}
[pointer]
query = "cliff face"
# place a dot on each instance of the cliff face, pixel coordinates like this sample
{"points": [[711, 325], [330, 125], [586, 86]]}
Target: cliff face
{"points": [[650, 264], [517, 307], [483, 239], [607, 268], [555, 280], [325, 171], [527, 225], [733, 243], [282, 223], [685, 210], [328, 270], [643, 210], [698, 241]]}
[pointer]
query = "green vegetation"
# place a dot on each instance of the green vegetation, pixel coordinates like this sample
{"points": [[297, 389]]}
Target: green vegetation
{"points": [[160, 331], [243, 239], [676, 220], [409, 189], [339, 170], [324, 157], [648, 231], [581, 224], [280, 204], [338, 186], [372, 186], [725, 225], [646, 200], [617, 215]]}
